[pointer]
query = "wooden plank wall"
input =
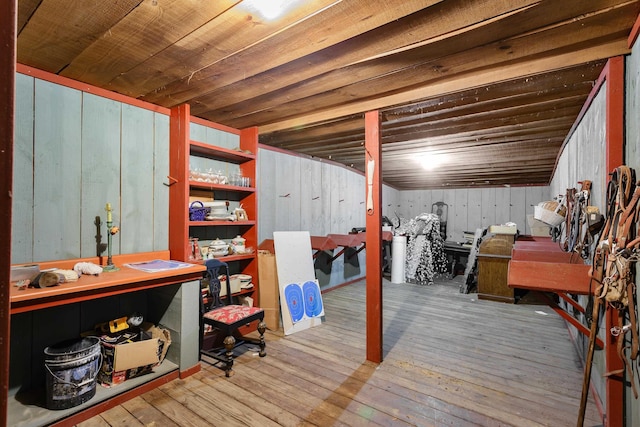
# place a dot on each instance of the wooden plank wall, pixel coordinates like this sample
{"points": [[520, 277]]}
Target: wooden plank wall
{"points": [[22, 202], [299, 193], [473, 208], [583, 157], [296, 193], [584, 154], [632, 156], [218, 138], [75, 152]]}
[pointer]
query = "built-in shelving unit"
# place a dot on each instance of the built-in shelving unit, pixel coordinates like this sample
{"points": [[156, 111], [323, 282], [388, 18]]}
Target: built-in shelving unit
{"points": [[183, 191]]}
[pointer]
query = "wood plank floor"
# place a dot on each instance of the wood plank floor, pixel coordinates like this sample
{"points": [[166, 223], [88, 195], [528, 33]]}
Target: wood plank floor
{"points": [[449, 360]]}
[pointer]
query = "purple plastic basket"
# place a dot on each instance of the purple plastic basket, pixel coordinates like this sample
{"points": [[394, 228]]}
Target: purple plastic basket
{"points": [[197, 213]]}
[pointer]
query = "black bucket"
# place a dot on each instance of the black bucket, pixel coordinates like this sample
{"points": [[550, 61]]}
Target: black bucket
{"points": [[72, 367]]}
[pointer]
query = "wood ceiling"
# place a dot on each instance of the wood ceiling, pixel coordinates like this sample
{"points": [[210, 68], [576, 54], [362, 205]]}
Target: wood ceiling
{"points": [[492, 86]]}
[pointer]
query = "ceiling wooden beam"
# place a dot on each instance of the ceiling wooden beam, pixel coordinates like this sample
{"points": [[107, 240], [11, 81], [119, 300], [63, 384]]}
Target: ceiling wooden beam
{"points": [[479, 78], [370, 54], [347, 20]]}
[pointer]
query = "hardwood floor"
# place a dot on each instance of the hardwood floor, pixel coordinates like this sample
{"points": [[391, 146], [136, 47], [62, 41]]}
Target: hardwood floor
{"points": [[449, 360]]}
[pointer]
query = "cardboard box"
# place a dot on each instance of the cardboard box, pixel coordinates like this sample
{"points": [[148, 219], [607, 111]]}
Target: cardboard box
{"points": [[124, 360], [503, 229], [269, 294]]}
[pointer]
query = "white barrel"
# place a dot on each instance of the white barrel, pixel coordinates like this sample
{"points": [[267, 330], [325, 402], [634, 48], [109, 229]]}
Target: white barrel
{"points": [[398, 256]]}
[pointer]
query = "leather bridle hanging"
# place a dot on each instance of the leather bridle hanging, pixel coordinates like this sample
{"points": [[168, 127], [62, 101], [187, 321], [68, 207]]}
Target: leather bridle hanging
{"points": [[612, 273]]}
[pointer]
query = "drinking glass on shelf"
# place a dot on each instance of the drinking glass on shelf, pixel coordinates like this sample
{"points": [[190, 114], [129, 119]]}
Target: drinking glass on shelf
{"points": [[211, 176]]}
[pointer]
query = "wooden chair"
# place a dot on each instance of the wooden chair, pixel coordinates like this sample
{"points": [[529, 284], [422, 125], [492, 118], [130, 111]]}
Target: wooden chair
{"points": [[227, 317]]}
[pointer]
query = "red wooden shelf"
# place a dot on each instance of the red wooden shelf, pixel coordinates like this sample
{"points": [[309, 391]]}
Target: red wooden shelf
{"points": [[219, 153], [220, 223], [229, 258], [222, 187]]}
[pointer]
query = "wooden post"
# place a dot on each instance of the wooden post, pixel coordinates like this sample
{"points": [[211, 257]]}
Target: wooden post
{"points": [[178, 169], [614, 81], [373, 194], [614, 412], [7, 94]]}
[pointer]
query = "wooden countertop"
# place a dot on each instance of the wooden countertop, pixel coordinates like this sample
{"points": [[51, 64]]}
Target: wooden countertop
{"points": [[106, 284]]}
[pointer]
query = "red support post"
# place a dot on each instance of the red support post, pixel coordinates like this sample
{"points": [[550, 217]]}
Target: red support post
{"points": [[615, 112], [373, 194], [614, 408], [179, 194], [8, 10]]}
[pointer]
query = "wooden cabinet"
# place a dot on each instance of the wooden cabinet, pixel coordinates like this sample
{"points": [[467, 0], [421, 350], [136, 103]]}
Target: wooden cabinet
{"points": [[493, 267], [240, 158]]}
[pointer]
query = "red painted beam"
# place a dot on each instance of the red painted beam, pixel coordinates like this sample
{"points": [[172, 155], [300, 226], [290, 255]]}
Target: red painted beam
{"points": [[613, 75], [84, 87], [633, 35], [615, 112], [8, 12], [179, 138], [569, 318], [373, 197]]}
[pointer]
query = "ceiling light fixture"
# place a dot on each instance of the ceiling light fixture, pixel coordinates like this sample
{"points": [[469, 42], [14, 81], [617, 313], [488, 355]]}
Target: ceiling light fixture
{"points": [[430, 161], [268, 9]]}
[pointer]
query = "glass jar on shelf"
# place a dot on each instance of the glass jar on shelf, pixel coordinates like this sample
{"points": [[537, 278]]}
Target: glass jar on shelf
{"points": [[222, 178]]}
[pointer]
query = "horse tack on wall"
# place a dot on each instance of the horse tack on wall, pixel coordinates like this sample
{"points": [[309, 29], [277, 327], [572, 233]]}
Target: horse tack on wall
{"points": [[618, 248]]}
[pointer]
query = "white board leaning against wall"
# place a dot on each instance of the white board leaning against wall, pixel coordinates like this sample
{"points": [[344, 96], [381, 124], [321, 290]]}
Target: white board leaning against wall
{"points": [[300, 298]]}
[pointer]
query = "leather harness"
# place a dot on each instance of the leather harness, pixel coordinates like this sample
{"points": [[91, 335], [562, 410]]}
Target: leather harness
{"points": [[616, 253], [578, 227], [612, 274]]}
